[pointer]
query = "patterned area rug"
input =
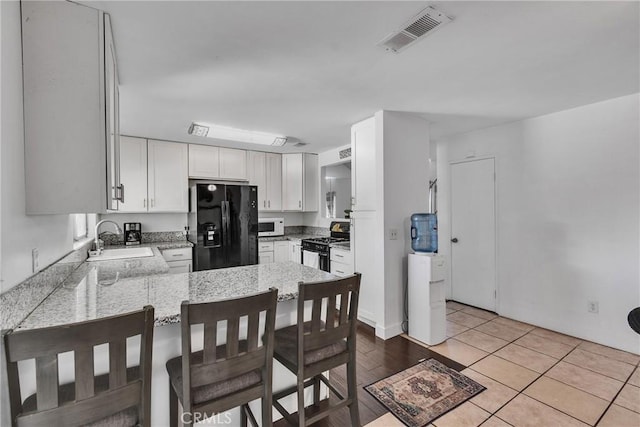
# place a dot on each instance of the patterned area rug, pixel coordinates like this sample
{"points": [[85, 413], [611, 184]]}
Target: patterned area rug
{"points": [[422, 393]]}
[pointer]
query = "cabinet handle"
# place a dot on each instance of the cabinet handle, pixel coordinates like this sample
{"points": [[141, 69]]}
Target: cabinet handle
{"points": [[269, 203], [175, 255], [152, 203], [144, 202], [264, 203], [339, 256], [338, 271], [299, 203]]}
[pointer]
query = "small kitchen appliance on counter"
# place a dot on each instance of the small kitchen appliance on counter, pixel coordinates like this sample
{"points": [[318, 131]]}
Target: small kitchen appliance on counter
{"points": [[269, 227], [316, 249], [132, 233]]}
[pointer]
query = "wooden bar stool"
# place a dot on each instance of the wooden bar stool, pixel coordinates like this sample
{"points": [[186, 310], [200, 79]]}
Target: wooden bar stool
{"points": [[222, 377], [326, 341], [120, 398]]}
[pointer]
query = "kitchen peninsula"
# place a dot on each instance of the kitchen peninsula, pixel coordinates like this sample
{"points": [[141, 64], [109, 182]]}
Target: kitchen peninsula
{"points": [[84, 297]]}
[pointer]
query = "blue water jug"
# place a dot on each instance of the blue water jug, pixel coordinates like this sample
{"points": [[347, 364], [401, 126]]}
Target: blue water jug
{"points": [[424, 232]]}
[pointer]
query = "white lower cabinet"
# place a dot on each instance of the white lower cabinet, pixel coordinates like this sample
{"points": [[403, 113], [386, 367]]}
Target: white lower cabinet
{"points": [[295, 249], [265, 252], [341, 262], [179, 260], [269, 252], [281, 251]]}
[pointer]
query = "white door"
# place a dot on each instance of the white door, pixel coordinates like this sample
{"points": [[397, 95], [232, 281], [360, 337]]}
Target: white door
{"points": [[133, 173], [168, 176], [473, 233], [204, 161]]}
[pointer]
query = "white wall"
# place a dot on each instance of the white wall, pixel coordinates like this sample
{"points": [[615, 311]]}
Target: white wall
{"points": [[568, 207], [151, 222], [52, 235], [406, 183]]}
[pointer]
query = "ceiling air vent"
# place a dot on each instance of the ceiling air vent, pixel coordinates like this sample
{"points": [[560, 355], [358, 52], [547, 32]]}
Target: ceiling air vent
{"points": [[416, 28]]}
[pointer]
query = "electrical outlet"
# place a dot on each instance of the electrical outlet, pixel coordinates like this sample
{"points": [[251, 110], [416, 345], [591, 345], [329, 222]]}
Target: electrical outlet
{"points": [[592, 306], [35, 262], [393, 234]]}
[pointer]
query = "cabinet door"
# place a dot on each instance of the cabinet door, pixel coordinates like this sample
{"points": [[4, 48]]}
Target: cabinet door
{"points": [[265, 257], [256, 174], [281, 251], [273, 185], [114, 183], [292, 182], [168, 176], [63, 66], [233, 164], [179, 266], [363, 166], [311, 182], [203, 161], [294, 252], [340, 269], [133, 174]]}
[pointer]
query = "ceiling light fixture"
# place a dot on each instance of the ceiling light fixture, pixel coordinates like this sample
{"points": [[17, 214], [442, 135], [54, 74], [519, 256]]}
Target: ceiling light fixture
{"points": [[234, 134]]}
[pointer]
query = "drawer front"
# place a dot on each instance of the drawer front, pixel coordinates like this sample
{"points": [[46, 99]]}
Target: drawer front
{"points": [[176, 254], [265, 246], [183, 266], [341, 255], [340, 269]]}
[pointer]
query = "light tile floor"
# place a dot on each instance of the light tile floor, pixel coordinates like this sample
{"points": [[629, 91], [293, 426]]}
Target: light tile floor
{"points": [[535, 377]]}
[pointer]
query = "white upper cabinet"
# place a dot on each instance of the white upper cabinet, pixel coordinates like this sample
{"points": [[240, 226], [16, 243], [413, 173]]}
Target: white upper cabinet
{"points": [[133, 173], [70, 109], [168, 180], [233, 164], [265, 171], [204, 161], [208, 162], [300, 182], [363, 166]]}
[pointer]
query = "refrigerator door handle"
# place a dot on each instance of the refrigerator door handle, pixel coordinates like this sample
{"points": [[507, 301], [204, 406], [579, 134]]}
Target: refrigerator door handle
{"points": [[223, 214], [226, 221]]}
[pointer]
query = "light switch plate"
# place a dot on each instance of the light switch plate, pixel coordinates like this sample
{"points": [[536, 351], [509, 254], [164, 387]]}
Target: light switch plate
{"points": [[393, 234]]}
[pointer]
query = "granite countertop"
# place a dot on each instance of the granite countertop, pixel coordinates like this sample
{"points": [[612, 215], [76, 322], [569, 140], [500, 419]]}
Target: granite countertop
{"points": [[82, 296]]}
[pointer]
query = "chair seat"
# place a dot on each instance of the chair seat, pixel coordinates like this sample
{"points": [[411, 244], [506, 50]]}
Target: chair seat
{"points": [[286, 346], [67, 393], [213, 391]]}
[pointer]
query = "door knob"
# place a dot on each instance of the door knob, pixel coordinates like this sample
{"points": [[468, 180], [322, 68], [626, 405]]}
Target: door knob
{"points": [[454, 240]]}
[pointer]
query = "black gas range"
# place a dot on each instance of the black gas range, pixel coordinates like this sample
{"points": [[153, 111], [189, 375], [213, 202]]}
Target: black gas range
{"points": [[340, 232]]}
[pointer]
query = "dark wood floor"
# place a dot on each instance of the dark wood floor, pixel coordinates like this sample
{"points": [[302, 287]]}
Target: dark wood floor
{"points": [[376, 359]]}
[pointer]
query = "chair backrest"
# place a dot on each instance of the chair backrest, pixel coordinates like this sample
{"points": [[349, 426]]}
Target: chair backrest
{"points": [[45, 344], [240, 356], [336, 322]]}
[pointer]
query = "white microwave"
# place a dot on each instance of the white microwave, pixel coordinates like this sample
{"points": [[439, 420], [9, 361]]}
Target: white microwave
{"points": [[270, 227]]}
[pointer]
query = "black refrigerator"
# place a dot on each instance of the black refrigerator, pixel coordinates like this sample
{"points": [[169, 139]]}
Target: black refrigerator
{"points": [[223, 225]]}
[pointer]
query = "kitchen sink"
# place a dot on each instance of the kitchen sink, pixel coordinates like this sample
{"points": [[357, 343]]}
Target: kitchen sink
{"points": [[124, 253]]}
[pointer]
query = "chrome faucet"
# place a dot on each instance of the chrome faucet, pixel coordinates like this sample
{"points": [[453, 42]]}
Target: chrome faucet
{"points": [[97, 238]]}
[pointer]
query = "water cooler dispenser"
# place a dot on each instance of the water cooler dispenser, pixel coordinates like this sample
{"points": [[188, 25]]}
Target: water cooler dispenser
{"points": [[426, 292]]}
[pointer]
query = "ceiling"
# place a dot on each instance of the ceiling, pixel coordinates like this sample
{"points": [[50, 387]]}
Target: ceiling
{"points": [[309, 70]]}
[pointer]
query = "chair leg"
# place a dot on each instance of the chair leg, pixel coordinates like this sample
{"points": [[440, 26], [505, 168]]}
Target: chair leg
{"points": [[267, 415], [243, 416], [301, 419], [173, 407], [352, 385], [316, 391]]}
